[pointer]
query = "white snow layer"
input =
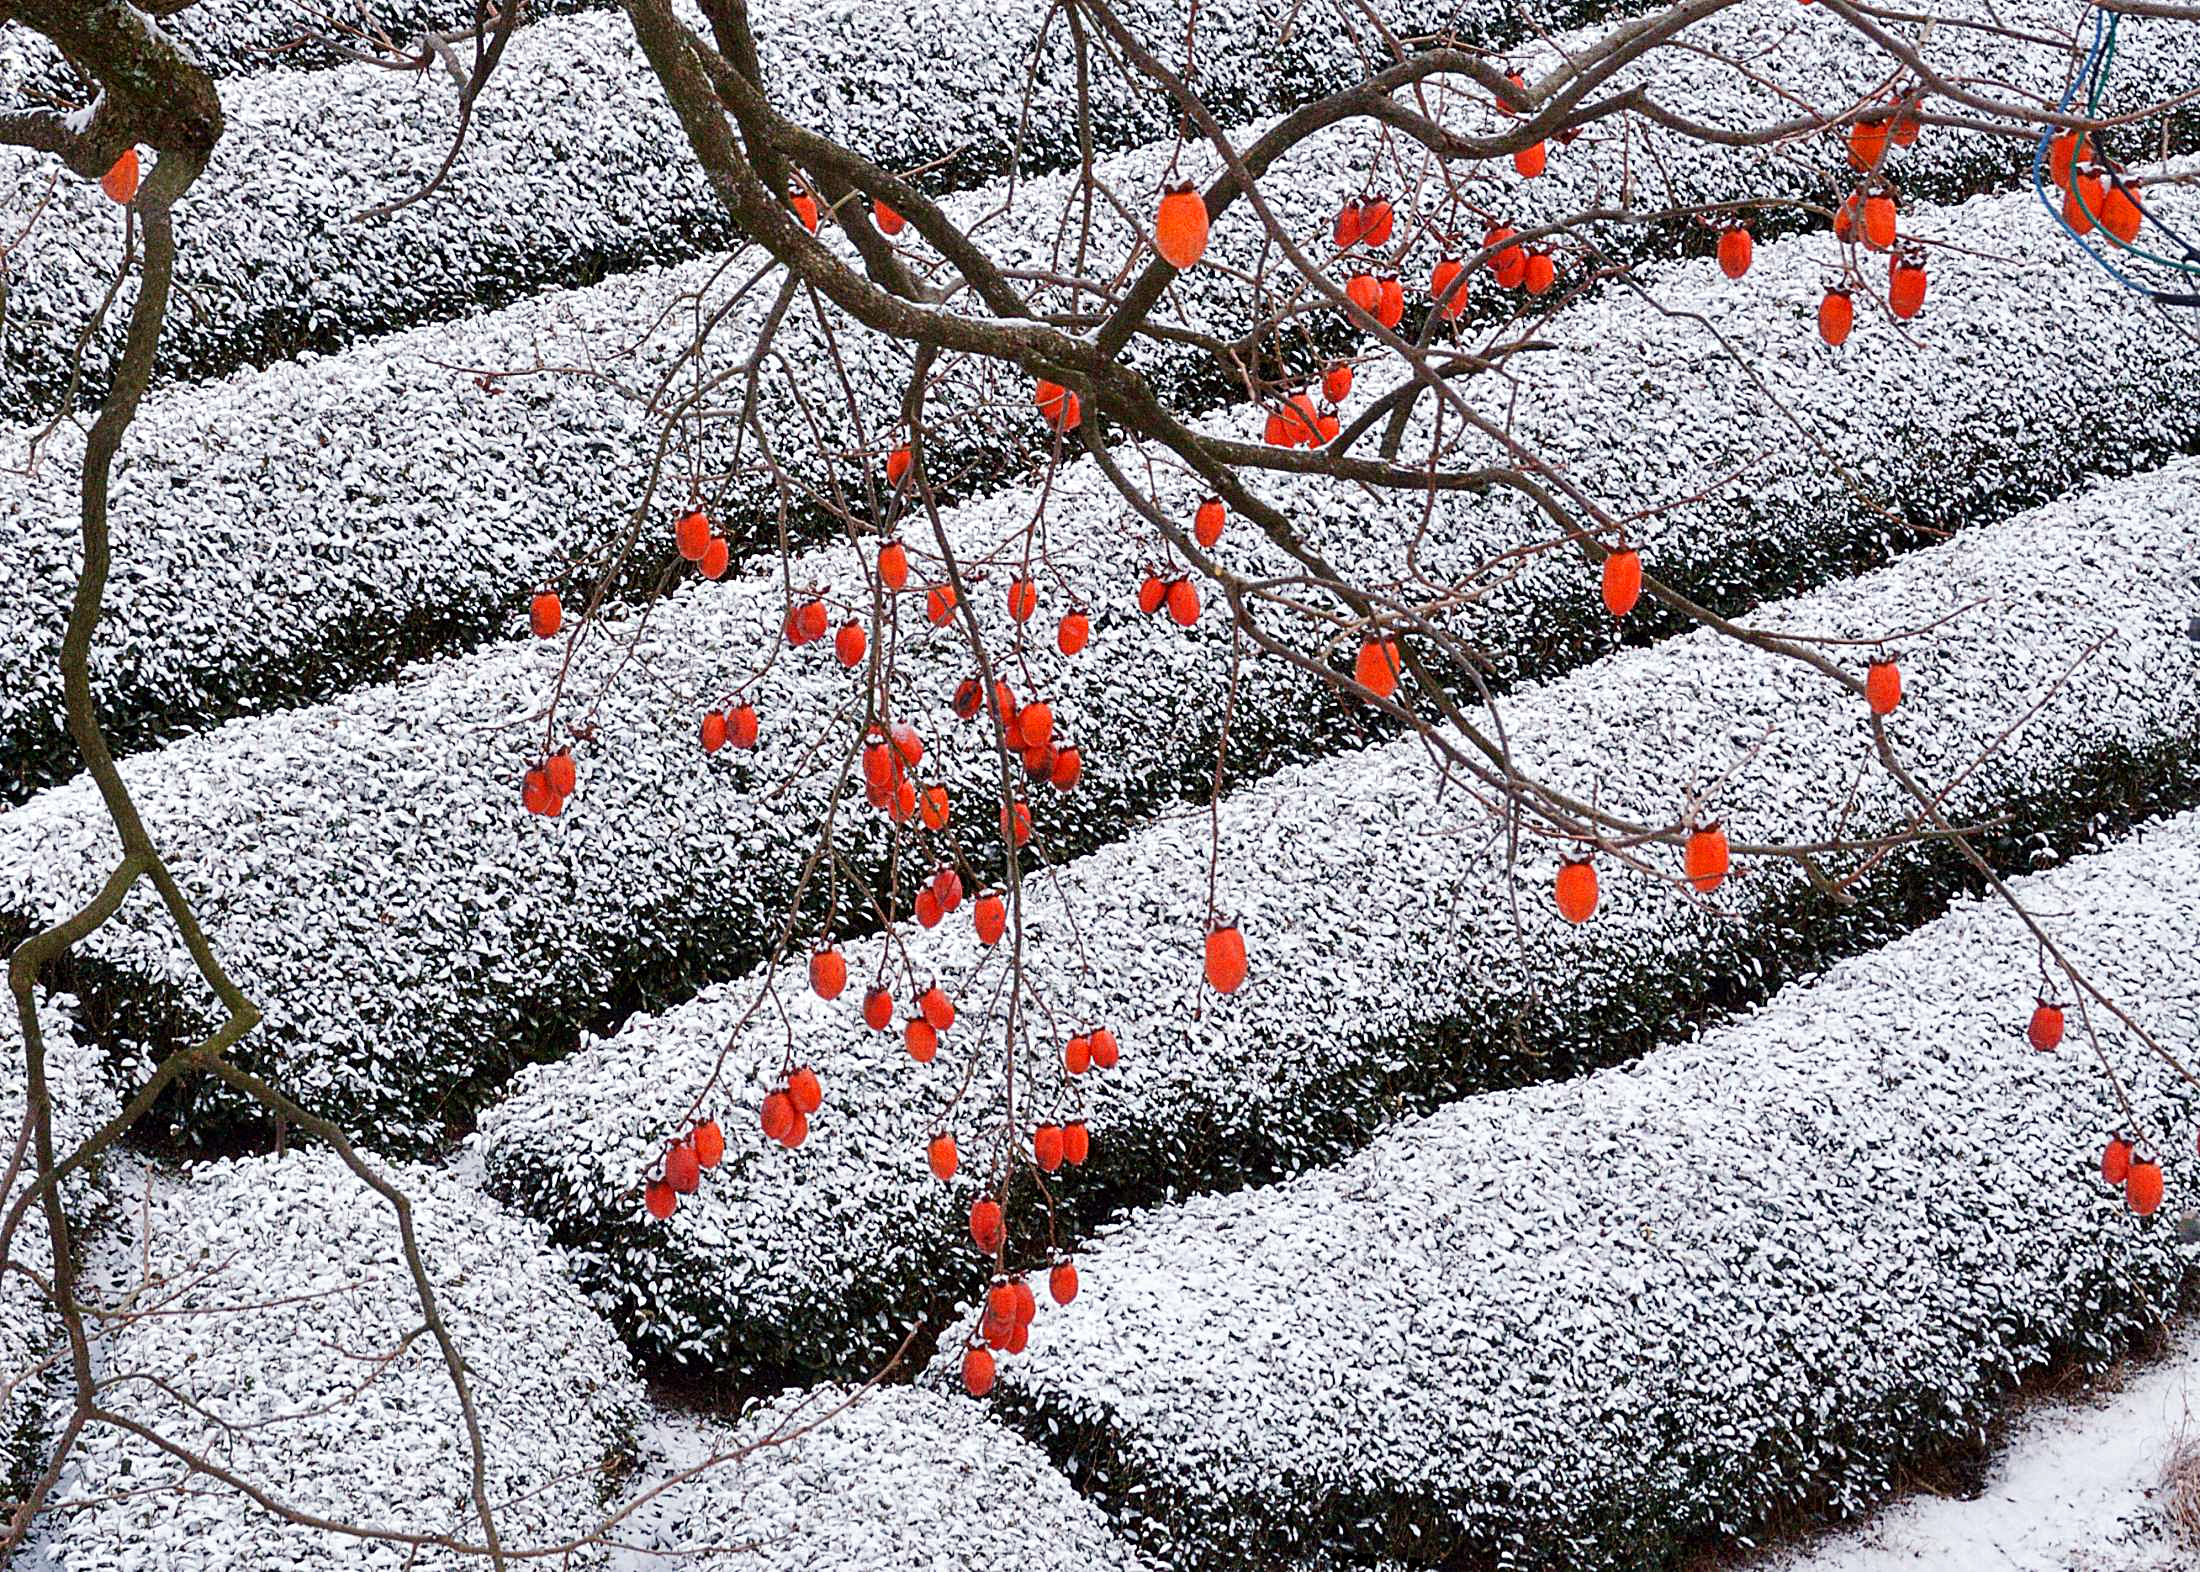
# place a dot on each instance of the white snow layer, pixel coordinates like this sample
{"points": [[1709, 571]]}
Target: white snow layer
{"points": [[903, 1481], [370, 877], [389, 550], [279, 1334], [1379, 914], [1589, 1323]]}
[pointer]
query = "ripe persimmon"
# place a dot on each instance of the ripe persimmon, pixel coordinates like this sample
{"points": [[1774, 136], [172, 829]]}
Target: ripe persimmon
{"points": [[120, 183], [1621, 580], [1035, 724], [1836, 316], [778, 1116], [741, 726], [1225, 959], [804, 1091], [2116, 1161], [1023, 599], [1529, 161], [1350, 225], [1104, 1049], [1447, 288], [2119, 215], [683, 1169], [1377, 220], [1183, 603], [545, 615], [828, 974], [1390, 303], [893, 565], [878, 1008], [1057, 404], [1074, 631], [849, 644], [990, 917], [937, 1008], [1906, 287], [919, 1038], [1077, 1054], [1180, 228], [805, 208], [1336, 383], [560, 771], [2143, 1190], [1067, 769], [714, 730], [1207, 522], [977, 1372], [1736, 251], [716, 558], [1706, 858], [1883, 686], [710, 1143], [1375, 668], [692, 534], [1867, 144], [939, 605], [985, 1224], [1577, 889], [942, 1157], [658, 1197], [1880, 227], [2046, 1026], [890, 223], [1062, 1283], [897, 465], [1046, 1147], [1076, 1143], [807, 622]]}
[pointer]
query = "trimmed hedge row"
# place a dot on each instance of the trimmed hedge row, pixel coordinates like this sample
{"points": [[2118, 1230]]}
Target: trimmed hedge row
{"points": [[1600, 1323], [284, 1292], [369, 876], [391, 552], [1399, 958], [575, 166], [905, 1478], [30, 1333], [240, 38]]}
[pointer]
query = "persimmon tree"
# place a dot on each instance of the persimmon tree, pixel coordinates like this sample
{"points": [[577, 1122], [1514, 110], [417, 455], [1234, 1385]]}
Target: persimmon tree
{"points": [[1373, 353]]}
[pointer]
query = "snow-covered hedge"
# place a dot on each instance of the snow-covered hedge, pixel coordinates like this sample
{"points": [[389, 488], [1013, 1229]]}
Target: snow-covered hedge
{"points": [[290, 1336], [575, 165], [1387, 971], [240, 37], [904, 1478], [30, 1333], [1595, 1324], [392, 551], [411, 934]]}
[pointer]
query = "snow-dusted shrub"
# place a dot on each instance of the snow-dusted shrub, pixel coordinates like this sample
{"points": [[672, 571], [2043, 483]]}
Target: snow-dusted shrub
{"points": [[390, 551], [1589, 1324], [32, 1358], [575, 165], [241, 37], [410, 933], [904, 1478], [1380, 913], [291, 1339]]}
